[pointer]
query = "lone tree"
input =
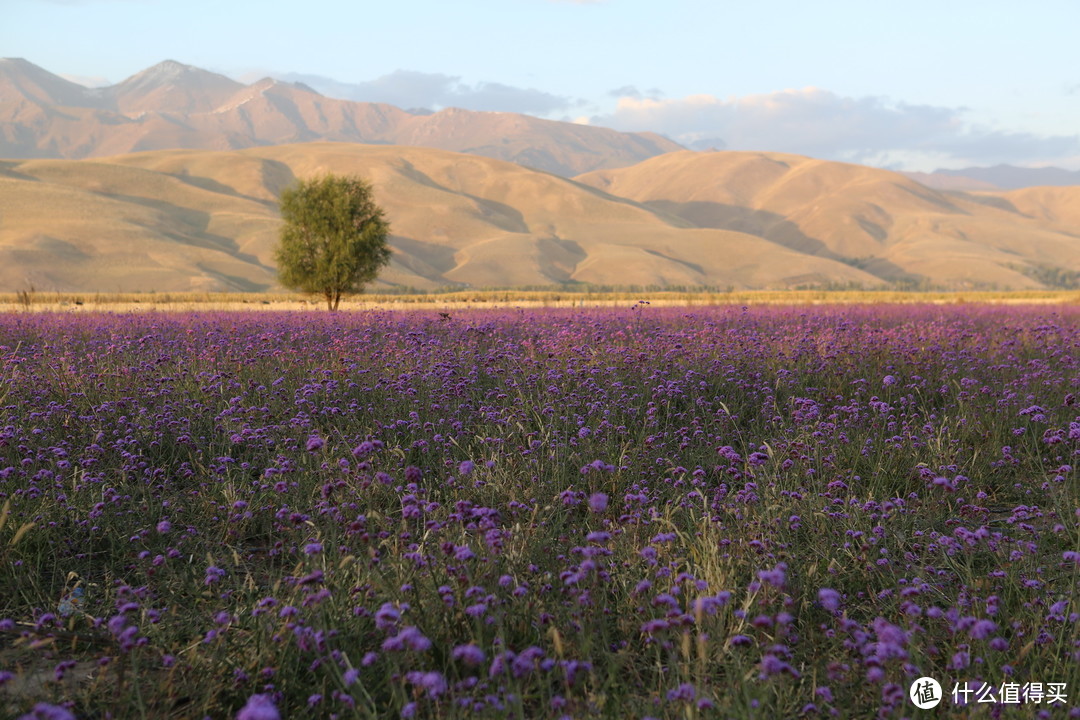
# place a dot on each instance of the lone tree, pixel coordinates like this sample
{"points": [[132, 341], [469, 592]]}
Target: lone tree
{"points": [[334, 237]]}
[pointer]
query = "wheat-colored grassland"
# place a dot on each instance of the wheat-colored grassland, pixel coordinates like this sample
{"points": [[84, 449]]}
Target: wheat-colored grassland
{"points": [[183, 302]]}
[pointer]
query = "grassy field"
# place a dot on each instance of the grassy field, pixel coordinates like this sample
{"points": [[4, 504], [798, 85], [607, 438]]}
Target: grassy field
{"points": [[130, 302], [634, 512]]}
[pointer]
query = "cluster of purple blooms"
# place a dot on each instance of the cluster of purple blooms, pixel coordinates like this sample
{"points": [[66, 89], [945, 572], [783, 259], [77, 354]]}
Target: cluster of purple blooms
{"points": [[719, 512]]}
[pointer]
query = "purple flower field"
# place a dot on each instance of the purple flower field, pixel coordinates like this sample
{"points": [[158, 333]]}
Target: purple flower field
{"points": [[627, 513]]}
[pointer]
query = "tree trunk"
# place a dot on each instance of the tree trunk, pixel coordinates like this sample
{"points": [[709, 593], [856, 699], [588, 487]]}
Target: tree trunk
{"points": [[337, 301]]}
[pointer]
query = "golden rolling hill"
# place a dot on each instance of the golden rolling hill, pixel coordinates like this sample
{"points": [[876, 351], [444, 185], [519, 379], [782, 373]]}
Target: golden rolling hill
{"points": [[883, 222], [197, 220], [1057, 206]]}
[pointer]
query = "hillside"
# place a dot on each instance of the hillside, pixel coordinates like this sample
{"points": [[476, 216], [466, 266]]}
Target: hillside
{"points": [[878, 220], [182, 220], [207, 220], [172, 105]]}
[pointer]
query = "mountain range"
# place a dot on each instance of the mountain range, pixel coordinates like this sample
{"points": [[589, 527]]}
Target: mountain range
{"points": [[169, 181], [172, 105], [999, 177]]}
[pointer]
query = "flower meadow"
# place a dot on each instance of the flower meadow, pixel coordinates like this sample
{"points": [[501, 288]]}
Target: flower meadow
{"points": [[635, 512]]}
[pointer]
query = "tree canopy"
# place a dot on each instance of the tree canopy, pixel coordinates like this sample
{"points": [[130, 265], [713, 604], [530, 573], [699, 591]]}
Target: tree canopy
{"points": [[334, 237]]}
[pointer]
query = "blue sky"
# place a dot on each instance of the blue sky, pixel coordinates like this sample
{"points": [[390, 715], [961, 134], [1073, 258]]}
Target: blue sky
{"points": [[915, 85]]}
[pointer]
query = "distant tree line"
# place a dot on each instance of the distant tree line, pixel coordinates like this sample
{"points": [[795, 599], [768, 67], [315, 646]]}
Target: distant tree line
{"points": [[1052, 276]]}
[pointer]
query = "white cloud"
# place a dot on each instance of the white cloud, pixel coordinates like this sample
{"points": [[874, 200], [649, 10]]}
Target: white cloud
{"points": [[631, 91], [89, 81], [819, 123], [412, 89]]}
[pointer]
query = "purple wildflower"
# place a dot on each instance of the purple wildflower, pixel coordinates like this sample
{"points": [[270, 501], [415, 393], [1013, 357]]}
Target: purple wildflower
{"points": [[651, 627], [598, 536], [469, 654], [944, 482], [387, 616], [46, 711], [259, 707], [685, 692], [829, 599], [598, 502], [983, 629], [433, 683], [409, 638], [772, 665], [775, 577]]}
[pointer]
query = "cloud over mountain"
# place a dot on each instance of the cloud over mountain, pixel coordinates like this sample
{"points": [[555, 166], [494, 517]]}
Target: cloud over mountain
{"points": [[412, 89], [87, 81], [820, 123], [631, 91]]}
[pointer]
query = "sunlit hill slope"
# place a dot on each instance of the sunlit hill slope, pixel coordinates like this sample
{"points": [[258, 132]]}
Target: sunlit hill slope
{"points": [[199, 220], [874, 219], [180, 220]]}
